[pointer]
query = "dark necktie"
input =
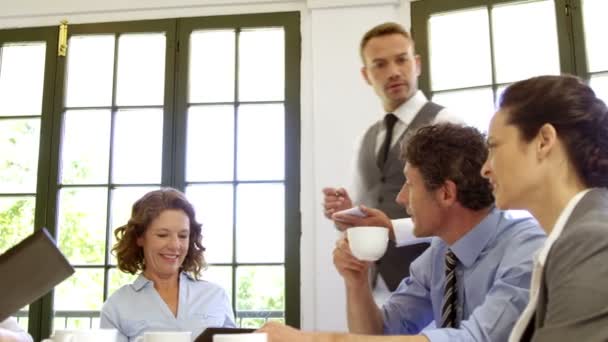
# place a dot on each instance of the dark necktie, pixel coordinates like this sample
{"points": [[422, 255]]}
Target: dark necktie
{"points": [[389, 122], [450, 295]]}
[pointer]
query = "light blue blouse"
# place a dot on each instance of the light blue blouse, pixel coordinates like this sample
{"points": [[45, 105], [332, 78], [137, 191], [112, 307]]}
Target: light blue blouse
{"points": [[136, 308]]}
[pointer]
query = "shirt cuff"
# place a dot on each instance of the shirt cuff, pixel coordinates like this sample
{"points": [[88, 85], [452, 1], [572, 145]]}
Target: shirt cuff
{"points": [[436, 335], [404, 233]]}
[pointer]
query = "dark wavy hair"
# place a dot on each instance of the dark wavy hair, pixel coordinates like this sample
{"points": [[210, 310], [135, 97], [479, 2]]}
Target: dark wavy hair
{"points": [[572, 108], [130, 256], [381, 30], [452, 152]]}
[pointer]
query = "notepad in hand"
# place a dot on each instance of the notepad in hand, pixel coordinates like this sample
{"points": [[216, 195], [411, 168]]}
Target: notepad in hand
{"points": [[207, 334], [29, 270]]}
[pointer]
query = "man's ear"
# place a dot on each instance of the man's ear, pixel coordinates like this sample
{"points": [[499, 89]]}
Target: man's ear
{"points": [[447, 194], [418, 65], [365, 75], [546, 140]]}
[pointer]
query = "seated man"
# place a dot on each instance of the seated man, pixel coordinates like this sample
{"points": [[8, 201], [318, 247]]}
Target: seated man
{"points": [[10, 331], [473, 280]]}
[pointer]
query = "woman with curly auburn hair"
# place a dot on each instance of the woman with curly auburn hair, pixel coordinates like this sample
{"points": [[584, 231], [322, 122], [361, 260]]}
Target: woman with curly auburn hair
{"points": [[548, 154], [162, 242]]}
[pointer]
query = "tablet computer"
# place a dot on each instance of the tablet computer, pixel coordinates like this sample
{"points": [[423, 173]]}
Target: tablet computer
{"points": [[29, 270], [207, 334]]}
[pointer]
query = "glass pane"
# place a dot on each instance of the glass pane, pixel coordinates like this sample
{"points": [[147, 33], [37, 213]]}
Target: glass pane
{"points": [[599, 84], [476, 106], [121, 205], [260, 288], [140, 79], [16, 220], [457, 62], [220, 275], [211, 72], [90, 70], [521, 52], [596, 26], [261, 156], [19, 140], [213, 204], [21, 78], [138, 142], [260, 238], [118, 279], [210, 145], [85, 147], [82, 224], [262, 65], [83, 291]]}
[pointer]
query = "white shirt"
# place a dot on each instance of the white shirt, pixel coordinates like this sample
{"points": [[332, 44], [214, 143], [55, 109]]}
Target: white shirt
{"points": [[403, 228], [540, 260]]}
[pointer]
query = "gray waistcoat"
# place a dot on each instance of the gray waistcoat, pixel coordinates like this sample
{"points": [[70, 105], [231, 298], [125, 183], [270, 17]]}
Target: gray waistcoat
{"points": [[380, 186]]}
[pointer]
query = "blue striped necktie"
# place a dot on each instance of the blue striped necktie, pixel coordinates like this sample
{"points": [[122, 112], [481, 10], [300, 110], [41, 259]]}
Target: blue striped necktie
{"points": [[450, 294]]}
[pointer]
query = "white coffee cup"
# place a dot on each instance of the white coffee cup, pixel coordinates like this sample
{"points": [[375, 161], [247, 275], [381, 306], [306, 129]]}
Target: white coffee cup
{"points": [[252, 337], [367, 243], [165, 336], [83, 335]]}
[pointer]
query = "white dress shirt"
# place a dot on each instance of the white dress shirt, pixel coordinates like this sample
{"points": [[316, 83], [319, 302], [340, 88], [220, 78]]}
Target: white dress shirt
{"points": [[540, 260]]}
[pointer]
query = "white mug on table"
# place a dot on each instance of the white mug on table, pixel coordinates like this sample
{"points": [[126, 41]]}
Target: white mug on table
{"points": [[253, 337], [83, 335], [165, 336]]}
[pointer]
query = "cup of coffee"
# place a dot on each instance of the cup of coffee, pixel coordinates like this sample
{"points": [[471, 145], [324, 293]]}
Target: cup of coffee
{"points": [[252, 337], [367, 243], [165, 336], [83, 335]]}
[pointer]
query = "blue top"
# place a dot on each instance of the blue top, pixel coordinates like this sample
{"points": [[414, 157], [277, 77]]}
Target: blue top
{"points": [[137, 308], [492, 278]]}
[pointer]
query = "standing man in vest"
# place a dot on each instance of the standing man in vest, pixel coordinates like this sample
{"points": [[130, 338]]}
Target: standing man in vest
{"points": [[391, 68]]}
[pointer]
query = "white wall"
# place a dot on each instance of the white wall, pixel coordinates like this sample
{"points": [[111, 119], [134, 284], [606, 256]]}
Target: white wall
{"points": [[336, 104]]}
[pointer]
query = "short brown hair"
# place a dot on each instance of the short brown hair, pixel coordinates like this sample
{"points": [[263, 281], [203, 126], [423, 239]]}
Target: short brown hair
{"points": [[381, 30], [130, 256], [453, 152], [572, 108]]}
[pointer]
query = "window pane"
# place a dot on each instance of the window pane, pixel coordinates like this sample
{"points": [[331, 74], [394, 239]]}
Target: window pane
{"points": [[260, 238], [476, 106], [21, 78], [82, 224], [83, 291], [16, 220], [522, 52], [138, 139], [599, 84], [211, 72], [85, 147], [19, 140], [220, 275], [596, 26], [262, 65], [141, 69], [122, 202], [118, 279], [260, 288], [261, 142], [213, 204], [210, 145], [90, 70], [457, 62]]}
